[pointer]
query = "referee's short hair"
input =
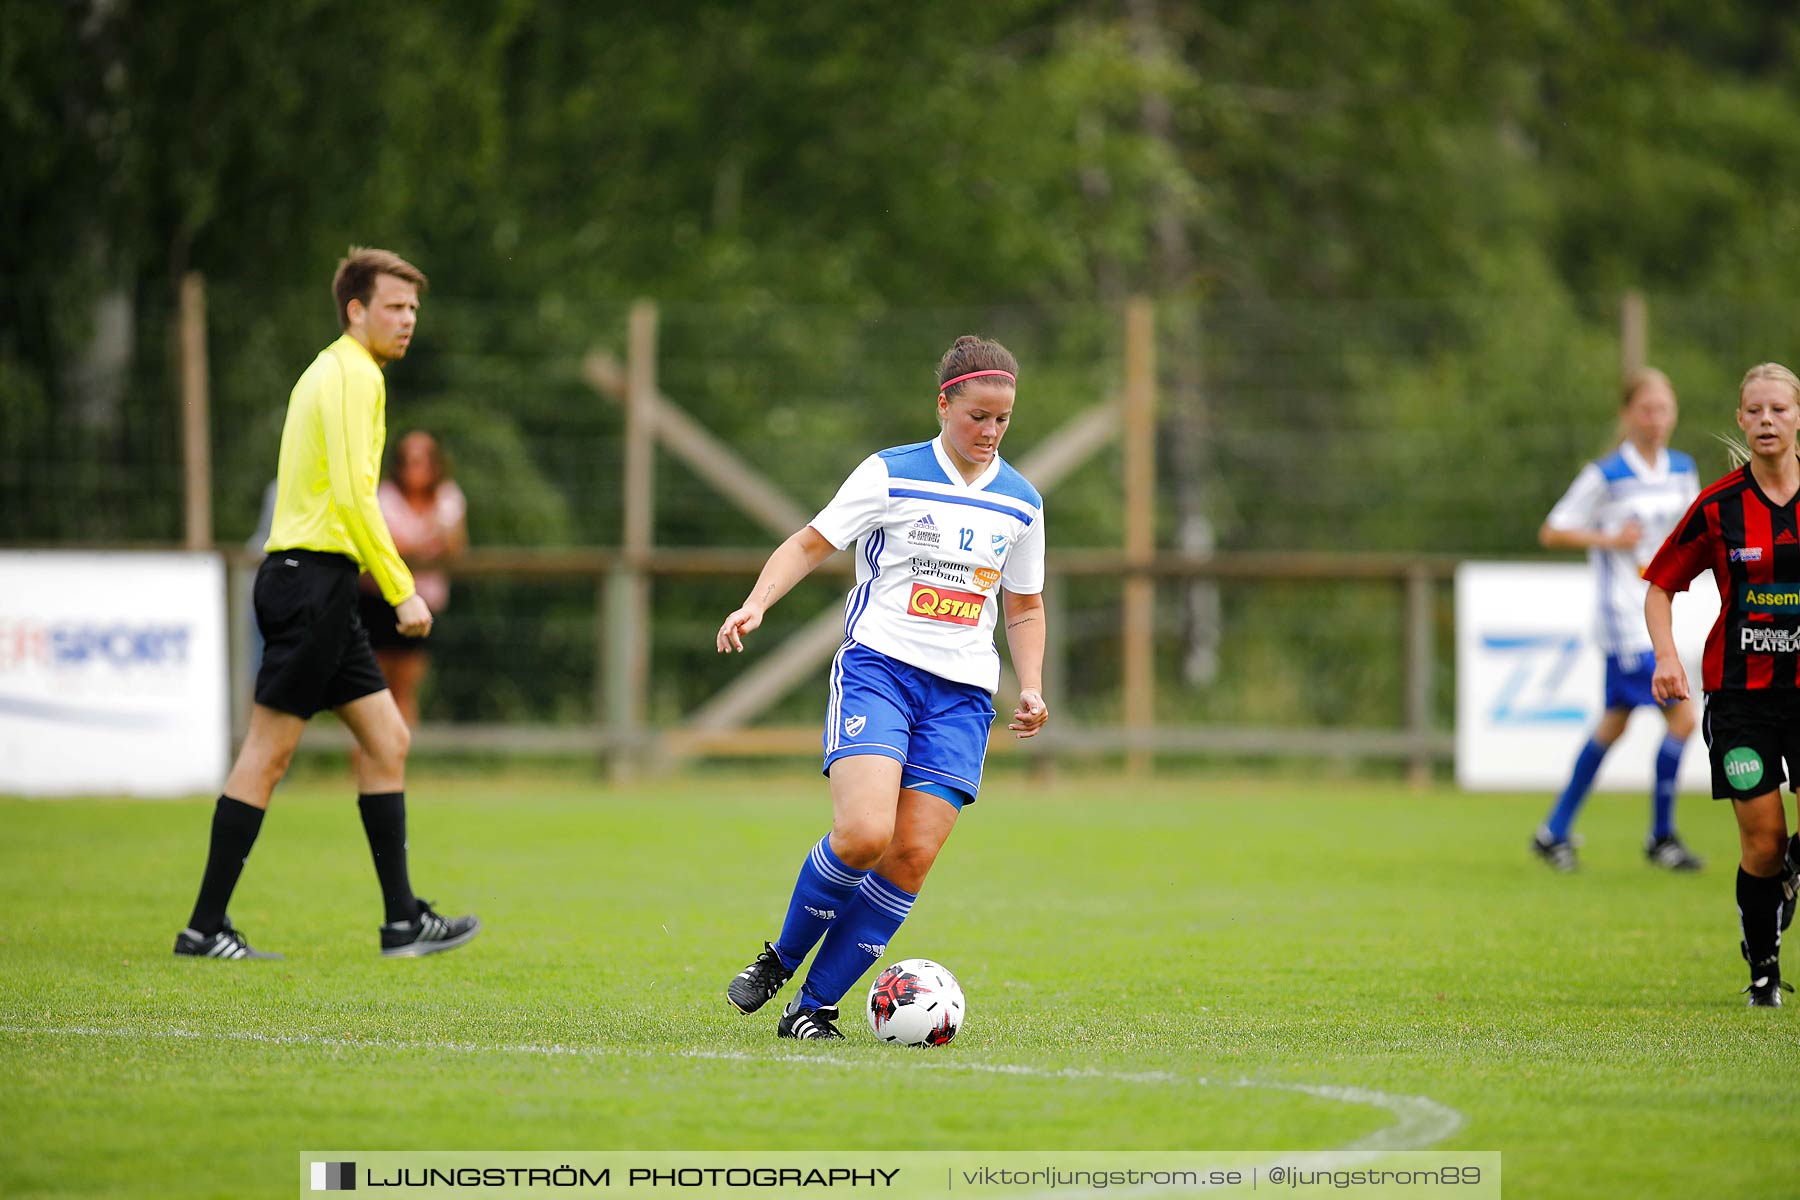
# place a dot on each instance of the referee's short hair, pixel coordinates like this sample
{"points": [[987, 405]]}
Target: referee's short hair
{"points": [[356, 272]]}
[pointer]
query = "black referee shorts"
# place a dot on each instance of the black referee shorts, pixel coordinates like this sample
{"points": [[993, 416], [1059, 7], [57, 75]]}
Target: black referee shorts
{"points": [[1752, 741], [315, 652]]}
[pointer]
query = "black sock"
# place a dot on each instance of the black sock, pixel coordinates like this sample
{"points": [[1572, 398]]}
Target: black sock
{"points": [[384, 820], [1759, 915], [234, 829]]}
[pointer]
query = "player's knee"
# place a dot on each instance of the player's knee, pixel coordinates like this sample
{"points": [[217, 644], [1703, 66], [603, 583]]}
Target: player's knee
{"points": [[1763, 849], [389, 748], [860, 845], [276, 764], [907, 865]]}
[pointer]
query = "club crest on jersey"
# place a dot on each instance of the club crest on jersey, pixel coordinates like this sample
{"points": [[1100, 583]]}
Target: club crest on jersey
{"points": [[998, 541], [924, 532], [944, 604], [986, 578], [854, 725], [1746, 554]]}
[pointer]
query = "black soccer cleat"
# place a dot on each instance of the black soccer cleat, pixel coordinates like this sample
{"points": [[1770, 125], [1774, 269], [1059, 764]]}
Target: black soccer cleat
{"points": [[756, 984], [427, 933], [1559, 855], [1669, 854], [809, 1024], [228, 943], [1766, 992]]}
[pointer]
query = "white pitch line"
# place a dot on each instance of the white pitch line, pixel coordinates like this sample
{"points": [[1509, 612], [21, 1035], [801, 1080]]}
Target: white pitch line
{"points": [[1420, 1122]]}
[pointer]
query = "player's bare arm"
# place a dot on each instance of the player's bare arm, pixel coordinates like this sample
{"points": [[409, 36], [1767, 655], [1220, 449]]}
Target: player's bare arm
{"points": [[792, 561]]}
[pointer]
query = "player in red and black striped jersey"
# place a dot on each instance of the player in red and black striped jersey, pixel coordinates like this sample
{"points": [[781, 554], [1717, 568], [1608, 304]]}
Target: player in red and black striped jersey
{"points": [[1746, 529]]}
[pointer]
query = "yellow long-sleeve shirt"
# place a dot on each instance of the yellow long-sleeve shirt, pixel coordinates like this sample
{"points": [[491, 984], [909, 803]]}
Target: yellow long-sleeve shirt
{"points": [[331, 464]]}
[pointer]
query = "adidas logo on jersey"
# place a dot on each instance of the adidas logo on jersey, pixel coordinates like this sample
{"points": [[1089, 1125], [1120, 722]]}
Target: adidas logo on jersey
{"points": [[1785, 538], [854, 725], [924, 532]]}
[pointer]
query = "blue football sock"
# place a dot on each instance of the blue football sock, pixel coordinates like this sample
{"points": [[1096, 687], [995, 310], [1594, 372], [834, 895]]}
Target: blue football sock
{"points": [[857, 941], [822, 892], [1587, 765], [1662, 796]]}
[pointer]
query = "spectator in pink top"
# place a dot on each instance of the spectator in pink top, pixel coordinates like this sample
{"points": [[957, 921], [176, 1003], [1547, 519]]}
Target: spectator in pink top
{"points": [[427, 514]]}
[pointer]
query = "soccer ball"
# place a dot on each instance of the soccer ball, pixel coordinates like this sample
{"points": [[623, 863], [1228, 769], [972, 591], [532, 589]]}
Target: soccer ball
{"points": [[915, 1003]]}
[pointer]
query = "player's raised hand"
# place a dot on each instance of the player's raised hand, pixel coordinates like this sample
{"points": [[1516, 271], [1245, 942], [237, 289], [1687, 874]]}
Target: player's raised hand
{"points": [[1031, 714], [740, 622]]}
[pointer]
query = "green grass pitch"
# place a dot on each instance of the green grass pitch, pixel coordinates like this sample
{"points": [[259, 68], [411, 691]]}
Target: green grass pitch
{"points": [[1192, 964]]}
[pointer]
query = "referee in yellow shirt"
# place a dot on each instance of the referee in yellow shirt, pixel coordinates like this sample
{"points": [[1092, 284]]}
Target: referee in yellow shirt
{"points": [[328, 526]]}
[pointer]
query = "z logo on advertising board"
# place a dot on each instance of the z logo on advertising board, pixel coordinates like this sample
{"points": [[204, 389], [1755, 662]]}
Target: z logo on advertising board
{"points": [[1533, 691]]}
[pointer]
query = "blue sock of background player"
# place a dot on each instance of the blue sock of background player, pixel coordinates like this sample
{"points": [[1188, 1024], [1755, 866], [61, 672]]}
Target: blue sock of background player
{"points": [[821, 894], [1587, 765], [857, 940], [1662, 796]]}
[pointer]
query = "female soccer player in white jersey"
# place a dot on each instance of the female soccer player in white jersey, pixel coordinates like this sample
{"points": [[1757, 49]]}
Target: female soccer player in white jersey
{"points": [[1620, 508], [947, 535]]}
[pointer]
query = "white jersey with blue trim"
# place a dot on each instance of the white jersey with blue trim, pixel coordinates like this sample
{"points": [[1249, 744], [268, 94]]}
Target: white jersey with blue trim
{"points": [[1608, 494], [932, 554]]}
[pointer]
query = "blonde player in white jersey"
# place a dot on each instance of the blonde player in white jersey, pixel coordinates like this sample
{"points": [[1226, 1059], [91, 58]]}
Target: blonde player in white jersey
{"points": [[1619, 509], [947, 536]]}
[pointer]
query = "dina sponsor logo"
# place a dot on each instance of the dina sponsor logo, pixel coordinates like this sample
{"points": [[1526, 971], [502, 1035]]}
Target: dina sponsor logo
{"points": [[943, 604], [1743, 768]]}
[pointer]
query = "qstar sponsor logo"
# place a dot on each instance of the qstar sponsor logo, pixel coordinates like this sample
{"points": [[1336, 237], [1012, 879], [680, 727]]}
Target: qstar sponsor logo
{"points": [[924, 532], [1754, 640], [1769, 598], [942, 604]]}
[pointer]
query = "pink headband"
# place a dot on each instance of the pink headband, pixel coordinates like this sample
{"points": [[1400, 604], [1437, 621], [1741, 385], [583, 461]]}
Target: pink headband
{"points": [[950, 383]]}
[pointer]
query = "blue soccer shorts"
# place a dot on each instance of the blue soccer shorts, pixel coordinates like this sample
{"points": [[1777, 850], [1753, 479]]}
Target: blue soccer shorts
{"points": [[936, 729], [1628, 680]]}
